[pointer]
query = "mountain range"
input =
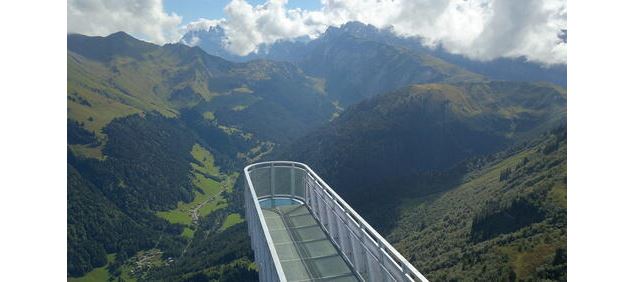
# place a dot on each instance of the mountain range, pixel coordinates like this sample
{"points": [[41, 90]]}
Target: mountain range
{"points": [[299, 49], [158, 136]]}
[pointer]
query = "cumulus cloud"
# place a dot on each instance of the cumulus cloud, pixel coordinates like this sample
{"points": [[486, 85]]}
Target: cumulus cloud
{"points": [[247, 26], [145, 19], [479, 29]]}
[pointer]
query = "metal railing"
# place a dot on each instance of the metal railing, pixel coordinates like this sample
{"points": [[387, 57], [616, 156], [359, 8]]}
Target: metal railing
{"points": [[365, 250], [269, 267]]}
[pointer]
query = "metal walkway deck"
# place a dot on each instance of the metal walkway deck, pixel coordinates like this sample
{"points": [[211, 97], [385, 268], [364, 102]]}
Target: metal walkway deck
{"points": [[305, 251]]}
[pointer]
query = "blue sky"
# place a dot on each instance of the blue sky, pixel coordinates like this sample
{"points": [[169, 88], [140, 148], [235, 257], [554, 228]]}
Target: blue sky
{"points": [[192, 10]]}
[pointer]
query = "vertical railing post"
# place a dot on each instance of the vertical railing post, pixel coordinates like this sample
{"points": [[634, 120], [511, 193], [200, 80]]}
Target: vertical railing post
{"points": [[293, 180], [272, 183]]}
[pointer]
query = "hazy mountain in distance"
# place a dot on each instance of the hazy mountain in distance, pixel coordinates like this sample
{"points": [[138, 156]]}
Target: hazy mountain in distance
{"points": [[299, 50], [354, 67], [500, 69]]}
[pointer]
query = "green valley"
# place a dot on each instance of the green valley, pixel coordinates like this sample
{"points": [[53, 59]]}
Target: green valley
{"points": [[208, 197], [156, 137]]}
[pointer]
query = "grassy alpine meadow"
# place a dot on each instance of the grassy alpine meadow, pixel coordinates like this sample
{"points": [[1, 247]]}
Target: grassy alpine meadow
{"points": [[204, 161], [182, 213], [187, 233], [231, 220]]}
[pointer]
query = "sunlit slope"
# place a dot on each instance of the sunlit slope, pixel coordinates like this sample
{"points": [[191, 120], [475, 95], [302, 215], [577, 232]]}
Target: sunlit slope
{"points": [[117, 76]]}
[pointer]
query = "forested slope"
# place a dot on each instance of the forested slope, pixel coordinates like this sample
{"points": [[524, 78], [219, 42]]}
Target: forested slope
{"points": [[423, 129], [505, 220]]}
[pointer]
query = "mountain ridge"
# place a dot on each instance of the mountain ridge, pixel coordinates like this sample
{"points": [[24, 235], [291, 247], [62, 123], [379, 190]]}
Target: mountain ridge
{"points": [[294, 50], [128, 76]]}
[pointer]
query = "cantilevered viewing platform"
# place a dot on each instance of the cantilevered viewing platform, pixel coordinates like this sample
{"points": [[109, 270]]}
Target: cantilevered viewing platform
{"points": [[301, 230]]}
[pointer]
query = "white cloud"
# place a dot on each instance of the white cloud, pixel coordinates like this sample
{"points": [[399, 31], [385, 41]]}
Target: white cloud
{"points": [[247, 26], [145, 19], [479, 29]]}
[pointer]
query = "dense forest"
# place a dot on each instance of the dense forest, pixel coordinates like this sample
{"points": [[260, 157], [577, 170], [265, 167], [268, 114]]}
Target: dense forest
{"points": [[147, 158]]}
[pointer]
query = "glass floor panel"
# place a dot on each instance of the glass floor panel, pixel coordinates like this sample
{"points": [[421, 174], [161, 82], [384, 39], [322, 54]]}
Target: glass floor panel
{"points": [[305, 252]]}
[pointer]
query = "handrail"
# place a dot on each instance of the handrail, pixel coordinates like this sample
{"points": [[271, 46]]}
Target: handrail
{"points": [[272, 250], [385, 248], [364, 226]]}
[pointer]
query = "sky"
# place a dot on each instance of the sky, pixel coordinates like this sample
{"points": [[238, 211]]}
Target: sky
{"points": [[192, 10], [478, 29]]}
